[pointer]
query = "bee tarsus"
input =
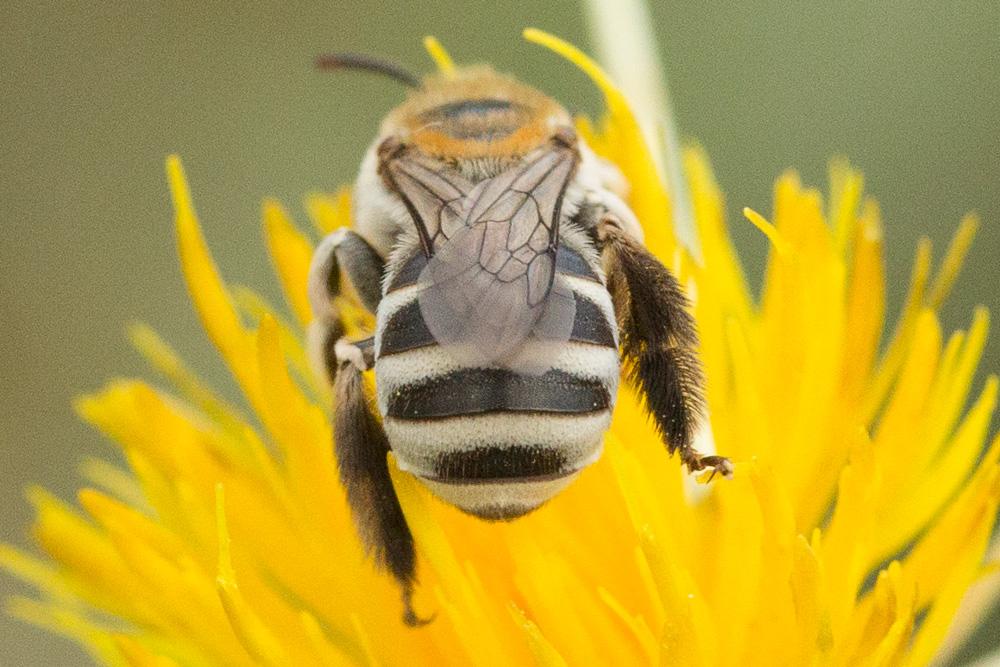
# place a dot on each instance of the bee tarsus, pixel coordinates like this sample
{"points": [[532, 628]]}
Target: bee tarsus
{"points": [[410, 616], [720, 465]]}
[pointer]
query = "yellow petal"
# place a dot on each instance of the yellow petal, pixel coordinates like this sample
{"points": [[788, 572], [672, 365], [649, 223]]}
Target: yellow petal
{"points": [[813, 632], [950, 405], [648, 197], [685, 638], [114, 480], [773, 235], [722, 272], [291, 253], [137, 655], [256, 310], [918, 504], [325, 652], [931, 559], [954, 257], [960, 573], [98, 642], [249, 628], [34, 571], [330, 212], [846, 186], [210, 296], [439, 55], [298, 426], [545, 655], [636, 624], [167, 362], [900, 422], [865, 316], [846, 545]]}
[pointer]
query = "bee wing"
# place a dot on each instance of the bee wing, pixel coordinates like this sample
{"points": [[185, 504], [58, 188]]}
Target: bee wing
{"points": [[493, 283], [433, 194]]}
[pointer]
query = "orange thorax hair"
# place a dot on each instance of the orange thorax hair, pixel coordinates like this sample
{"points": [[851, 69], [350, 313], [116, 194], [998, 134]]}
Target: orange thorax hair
{"points": [[475, 113]]}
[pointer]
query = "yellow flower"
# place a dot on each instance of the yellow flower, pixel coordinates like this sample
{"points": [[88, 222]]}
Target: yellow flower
{"points": [[859, 512]]}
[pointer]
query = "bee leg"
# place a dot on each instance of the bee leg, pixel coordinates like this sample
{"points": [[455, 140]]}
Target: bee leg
{"points": [[343, 250], [659, 342], [361, 446]]}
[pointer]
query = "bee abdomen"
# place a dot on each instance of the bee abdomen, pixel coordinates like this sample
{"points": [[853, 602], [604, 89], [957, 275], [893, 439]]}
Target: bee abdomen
{"points": [[406, 330], [496, 442], [495, 464], [482, 390], [498, 465]]}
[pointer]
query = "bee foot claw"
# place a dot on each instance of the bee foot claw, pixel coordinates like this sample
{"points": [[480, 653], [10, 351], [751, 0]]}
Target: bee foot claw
{"points": [[410, 617], [720, 465]]}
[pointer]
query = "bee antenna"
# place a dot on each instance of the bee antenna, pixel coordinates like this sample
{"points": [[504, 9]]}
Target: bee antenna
{"points": [[339, 61]]}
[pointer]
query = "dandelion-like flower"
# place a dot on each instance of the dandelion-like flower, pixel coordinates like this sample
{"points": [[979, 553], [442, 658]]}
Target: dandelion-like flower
{"points": [[858, 515]]}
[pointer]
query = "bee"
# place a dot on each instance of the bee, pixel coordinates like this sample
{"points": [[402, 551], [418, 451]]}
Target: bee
{"points": [[510, 285]]}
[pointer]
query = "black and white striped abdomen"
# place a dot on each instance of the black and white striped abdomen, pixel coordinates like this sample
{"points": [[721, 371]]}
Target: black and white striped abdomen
{"points": [[493, 441]]}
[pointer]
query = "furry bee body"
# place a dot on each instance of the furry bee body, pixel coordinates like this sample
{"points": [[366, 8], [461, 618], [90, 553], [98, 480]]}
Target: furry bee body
{"points": [[508, 280]]}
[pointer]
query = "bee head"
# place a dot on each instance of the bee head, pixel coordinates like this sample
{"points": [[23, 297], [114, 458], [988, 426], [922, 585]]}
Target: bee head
{"points": [[475, 113], [469, 113]]}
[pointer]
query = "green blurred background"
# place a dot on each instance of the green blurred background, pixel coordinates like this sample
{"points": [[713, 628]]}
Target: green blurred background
{"points": [[94, 96]]}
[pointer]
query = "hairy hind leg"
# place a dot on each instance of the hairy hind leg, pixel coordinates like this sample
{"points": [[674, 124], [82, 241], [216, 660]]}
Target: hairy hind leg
{"points": [[659, 342]]}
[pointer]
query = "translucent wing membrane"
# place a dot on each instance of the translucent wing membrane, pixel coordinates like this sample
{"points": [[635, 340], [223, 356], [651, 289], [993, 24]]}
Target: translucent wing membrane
{"points": [[434, 195], [490, 283]]}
